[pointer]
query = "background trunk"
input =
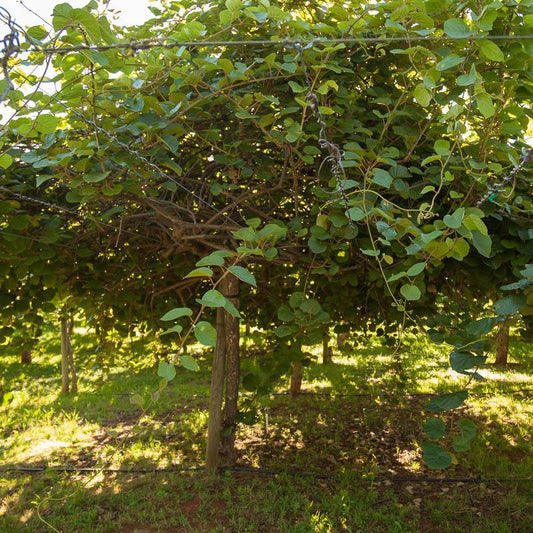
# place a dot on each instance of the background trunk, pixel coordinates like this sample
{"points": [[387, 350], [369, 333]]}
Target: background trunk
{"points": [[65, 348], [327, 351], [341, 339], [296, 378], [214, 425], [25, 357], [230, 288], [502, 343]]}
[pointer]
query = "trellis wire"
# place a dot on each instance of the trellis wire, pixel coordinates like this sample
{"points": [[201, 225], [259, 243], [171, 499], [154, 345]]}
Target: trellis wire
{"points": [[72, 214], [172, 43], [264, 472]]}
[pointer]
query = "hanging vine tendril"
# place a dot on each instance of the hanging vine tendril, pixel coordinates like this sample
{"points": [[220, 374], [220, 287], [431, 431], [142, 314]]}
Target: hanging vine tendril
{"points": [[10, 45]]}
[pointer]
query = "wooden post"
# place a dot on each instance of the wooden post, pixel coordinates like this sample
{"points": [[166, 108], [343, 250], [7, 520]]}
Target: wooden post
{"points": [[502, 343], [65, 343], [296, 378], [327, 352], [230, 289], [25, 357], [214, 424]]}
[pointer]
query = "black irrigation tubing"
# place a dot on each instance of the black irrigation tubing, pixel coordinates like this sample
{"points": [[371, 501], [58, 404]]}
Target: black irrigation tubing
{"points": [[401, 395], [354, 394], [263, 472]]}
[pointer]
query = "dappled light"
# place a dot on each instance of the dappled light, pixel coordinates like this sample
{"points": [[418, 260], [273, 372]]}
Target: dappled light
{"points": [[266, 266]]}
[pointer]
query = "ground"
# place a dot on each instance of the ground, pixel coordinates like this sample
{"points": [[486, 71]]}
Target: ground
{"points": [[344, 456]]}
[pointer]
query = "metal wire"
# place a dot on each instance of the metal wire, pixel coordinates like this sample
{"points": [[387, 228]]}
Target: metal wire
{"points": [[264, 472], [172, 43]]}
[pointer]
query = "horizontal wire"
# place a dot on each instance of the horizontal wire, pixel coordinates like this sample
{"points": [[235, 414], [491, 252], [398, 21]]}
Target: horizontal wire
{"points": [[20, 236], [75, 214], [263, 471], [166, 43]]}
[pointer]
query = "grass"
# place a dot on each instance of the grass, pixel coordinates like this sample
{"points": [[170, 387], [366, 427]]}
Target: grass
{"points": [[339, 431]]}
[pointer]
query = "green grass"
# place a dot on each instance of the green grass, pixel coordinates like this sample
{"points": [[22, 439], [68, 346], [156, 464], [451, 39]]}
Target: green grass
{"points": [[350, 436]]}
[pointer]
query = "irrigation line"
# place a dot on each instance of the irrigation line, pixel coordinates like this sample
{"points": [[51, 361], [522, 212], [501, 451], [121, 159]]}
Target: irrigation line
{"points": [[403, 395], [171, 43], [346, 395], [263, 472]]}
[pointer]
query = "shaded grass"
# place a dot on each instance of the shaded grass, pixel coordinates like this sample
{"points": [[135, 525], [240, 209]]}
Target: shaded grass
{"points": [[350, 435]]}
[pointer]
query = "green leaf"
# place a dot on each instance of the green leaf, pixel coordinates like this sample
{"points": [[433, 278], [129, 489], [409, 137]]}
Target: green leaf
{"points": [[177, 312], [490, 50], [285, 331], [202, 272], [174, 329], [234, 5], [481, 327], [214, 258], [296, 87], [462, 361], [213, 298], [46, 123], [456, 28], [96, 177], [285, 313], [166, 370], [6, 161], [316, 246], [464, 80], [244, 234], [205, 333], [455, 220], [89, 23], [355, 214], [422, 95], [416, 269], [442, 147], [447, 402], [410, 292], [243, 274], [510, 304], [381, 177], [311, 306], [231, 309], [485, 105], [482, 243], [468, 429], [435, 428], [137, 399], [435, 456], [189, 363], [449, 62]]}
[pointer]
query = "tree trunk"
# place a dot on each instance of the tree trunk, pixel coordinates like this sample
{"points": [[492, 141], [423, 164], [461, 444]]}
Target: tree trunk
{"points": [[65, 348], [327, 351], [72, 366], [296, 378], [25, 357], [230, 289], [341, 339], [502, 343], [214, 425]]}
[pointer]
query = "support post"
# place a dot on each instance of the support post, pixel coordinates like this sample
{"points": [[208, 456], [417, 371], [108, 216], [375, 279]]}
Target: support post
{"points": [[65, 344], [214, 424], [230, 289], [502, 344]]}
